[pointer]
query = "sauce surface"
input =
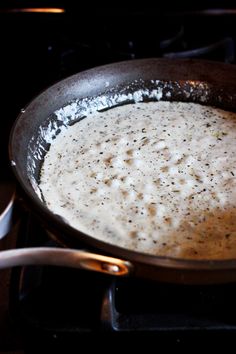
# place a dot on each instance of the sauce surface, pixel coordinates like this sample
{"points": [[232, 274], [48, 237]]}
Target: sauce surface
{"points": [[157, 177]]}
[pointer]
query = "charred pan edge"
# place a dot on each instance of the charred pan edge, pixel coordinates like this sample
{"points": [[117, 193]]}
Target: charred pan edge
{"points": [[136, 91]]}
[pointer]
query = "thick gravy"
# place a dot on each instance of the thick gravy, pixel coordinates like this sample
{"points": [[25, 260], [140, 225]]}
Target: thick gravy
{"points": [[156, 177]]}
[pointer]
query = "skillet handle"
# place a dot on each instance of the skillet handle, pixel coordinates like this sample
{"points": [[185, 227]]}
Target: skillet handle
{"points": [[64, 258]]}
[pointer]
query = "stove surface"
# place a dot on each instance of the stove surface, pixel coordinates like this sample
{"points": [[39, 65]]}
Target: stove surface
{"points": [[78, 39], [59, 306]]}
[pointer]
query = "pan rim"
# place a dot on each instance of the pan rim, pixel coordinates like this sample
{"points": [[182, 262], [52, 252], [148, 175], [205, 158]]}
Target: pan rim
{"points": [[141, 257]]}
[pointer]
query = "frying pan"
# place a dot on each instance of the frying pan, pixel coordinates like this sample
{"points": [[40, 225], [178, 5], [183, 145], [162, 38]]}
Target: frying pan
{"points": [[104, 87]]}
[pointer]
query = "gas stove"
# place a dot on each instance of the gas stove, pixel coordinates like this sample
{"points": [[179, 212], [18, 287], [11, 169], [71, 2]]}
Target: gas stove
{"points": [[78, 39], [55, 306]]}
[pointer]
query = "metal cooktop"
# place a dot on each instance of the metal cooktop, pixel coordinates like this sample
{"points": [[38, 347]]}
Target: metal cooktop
{"points": [[40, 48], [63, 306]]}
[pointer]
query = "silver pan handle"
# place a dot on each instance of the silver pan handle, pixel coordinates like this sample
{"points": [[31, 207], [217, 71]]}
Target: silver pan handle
{"points": [[64, 257]]}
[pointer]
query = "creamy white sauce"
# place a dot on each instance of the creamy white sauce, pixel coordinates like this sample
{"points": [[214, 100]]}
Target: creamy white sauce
{"points": [[156, 177]]}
